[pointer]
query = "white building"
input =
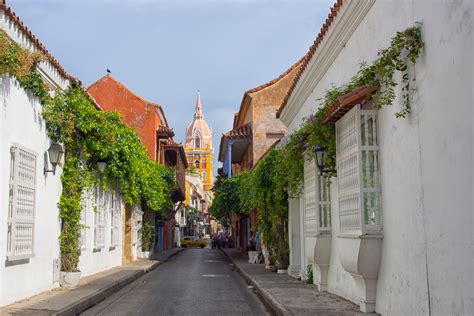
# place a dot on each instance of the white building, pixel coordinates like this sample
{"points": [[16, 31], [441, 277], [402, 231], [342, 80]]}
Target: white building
{"points": [[412, 253], [29, 217]]}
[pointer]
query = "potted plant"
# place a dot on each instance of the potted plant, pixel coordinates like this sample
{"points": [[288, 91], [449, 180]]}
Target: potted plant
{"points": [[147, 233], [70, 274], [273, 262], [70, 211], [283, 257]]}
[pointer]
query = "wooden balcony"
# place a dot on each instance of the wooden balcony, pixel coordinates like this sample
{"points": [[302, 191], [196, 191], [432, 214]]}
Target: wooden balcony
{"points": [[174, 156]]}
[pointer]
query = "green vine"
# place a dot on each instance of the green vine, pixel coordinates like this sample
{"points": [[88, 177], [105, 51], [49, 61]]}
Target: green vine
{"points": [[279, 174], [88, 135], [404, 50]]}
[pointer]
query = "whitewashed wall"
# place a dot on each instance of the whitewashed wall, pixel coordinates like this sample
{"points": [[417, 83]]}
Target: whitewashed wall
{"points": [[426, 162], [96, 258], [21, 122]]}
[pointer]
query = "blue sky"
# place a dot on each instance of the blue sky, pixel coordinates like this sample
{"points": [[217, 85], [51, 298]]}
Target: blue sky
{"points": [[167, 50]]}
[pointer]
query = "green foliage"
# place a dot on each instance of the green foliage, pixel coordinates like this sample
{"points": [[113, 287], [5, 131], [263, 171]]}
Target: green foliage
{"points": [[404, 49], [148, 234], [309, 274], [226, 197], [88, 135]]}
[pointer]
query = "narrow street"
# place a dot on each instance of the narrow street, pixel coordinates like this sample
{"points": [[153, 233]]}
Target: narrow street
{"points": [[194, 282]]}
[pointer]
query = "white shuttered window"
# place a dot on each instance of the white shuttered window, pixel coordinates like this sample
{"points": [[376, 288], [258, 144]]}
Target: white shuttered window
{"points": [[99, 218], [21, 206], [310, 199], [358, 172], [324, 204], [115, 210], [84, 205]]}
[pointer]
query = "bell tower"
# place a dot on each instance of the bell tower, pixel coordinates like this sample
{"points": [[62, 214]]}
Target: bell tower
{"points": [[198, 146]]}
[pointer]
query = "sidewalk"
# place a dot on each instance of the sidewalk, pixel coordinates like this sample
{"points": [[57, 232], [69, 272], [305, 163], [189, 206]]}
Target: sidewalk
{"points": [[288, 296], [91, 290]]}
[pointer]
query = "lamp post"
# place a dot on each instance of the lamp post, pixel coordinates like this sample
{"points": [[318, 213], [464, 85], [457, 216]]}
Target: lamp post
{"points": [[55, 153], [320, 156]]}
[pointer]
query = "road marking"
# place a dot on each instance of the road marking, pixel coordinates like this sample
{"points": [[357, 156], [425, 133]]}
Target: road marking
{"points": [[215, 275], [212, 261]]}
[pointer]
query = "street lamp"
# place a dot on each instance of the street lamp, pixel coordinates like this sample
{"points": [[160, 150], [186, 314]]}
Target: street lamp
{"points": [[55, 153], [321, 155]]}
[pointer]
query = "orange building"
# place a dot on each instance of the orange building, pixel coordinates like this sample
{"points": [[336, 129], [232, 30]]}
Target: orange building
{"points": [[149, 121]]}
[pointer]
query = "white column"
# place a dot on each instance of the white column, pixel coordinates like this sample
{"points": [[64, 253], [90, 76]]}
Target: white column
{"points": [[294, 234]]}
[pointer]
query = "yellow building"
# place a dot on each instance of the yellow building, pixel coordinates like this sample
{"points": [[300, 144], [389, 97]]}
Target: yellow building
{"points": [[198, 147]]}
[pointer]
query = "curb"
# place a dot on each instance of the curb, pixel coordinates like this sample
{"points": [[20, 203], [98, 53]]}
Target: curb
{"points": [[277, 307], [109, 289]]}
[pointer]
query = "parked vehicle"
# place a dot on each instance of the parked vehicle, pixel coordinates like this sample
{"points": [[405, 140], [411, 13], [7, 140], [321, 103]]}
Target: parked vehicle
{"points": [[191, 241]]}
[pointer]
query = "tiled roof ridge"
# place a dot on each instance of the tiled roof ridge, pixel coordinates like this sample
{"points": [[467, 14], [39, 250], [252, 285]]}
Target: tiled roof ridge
{"points": [[307, 57], [275, 80], [241, 131], [109, 76], [9, 12], [266, 85]]}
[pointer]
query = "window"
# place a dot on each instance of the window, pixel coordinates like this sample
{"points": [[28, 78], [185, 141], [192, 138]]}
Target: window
{"points": [[196, 164], [83, 222], [204, 176], [311, 227], [115, 210], [197, 142], [21, 206], [99, 218], [324, 203], [358, 172], [137, 224]]}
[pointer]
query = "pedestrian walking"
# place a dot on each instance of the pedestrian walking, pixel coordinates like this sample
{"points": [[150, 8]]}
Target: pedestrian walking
{"points": [[252, 248]]}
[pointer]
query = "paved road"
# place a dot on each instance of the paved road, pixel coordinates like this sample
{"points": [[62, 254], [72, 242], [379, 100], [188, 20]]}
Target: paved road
{"points": [[194, 282]]}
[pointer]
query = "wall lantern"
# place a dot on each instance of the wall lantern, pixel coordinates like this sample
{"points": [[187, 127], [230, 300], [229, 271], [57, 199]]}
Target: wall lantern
{"points": [[321, 156], [55, 153], [101, 165]]}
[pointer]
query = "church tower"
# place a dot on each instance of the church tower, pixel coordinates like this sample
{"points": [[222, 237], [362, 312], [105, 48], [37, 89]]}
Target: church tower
{"points": [[198, 146]]}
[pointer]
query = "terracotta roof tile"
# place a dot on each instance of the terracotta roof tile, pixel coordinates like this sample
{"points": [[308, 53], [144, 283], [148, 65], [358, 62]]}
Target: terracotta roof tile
{"points": [[307, 58], [164, 130], [239, 132], [346, 102], [171, 143], [9, 12]]}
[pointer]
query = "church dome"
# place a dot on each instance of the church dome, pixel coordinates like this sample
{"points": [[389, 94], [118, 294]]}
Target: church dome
{"points": [[198, 133]]}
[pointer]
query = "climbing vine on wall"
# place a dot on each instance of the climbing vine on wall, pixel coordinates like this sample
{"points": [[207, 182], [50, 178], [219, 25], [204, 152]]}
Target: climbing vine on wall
{"points": [[88, 135], [405, 48]]}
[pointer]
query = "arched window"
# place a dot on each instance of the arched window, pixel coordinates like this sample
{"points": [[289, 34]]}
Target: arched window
{"points": [[204, 176], [196, 163], [197, 142]]}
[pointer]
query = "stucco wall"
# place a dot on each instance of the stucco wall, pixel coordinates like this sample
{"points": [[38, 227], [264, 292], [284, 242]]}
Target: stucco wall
{"points": [[426, 162], [92, 259], [21, 122]]}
